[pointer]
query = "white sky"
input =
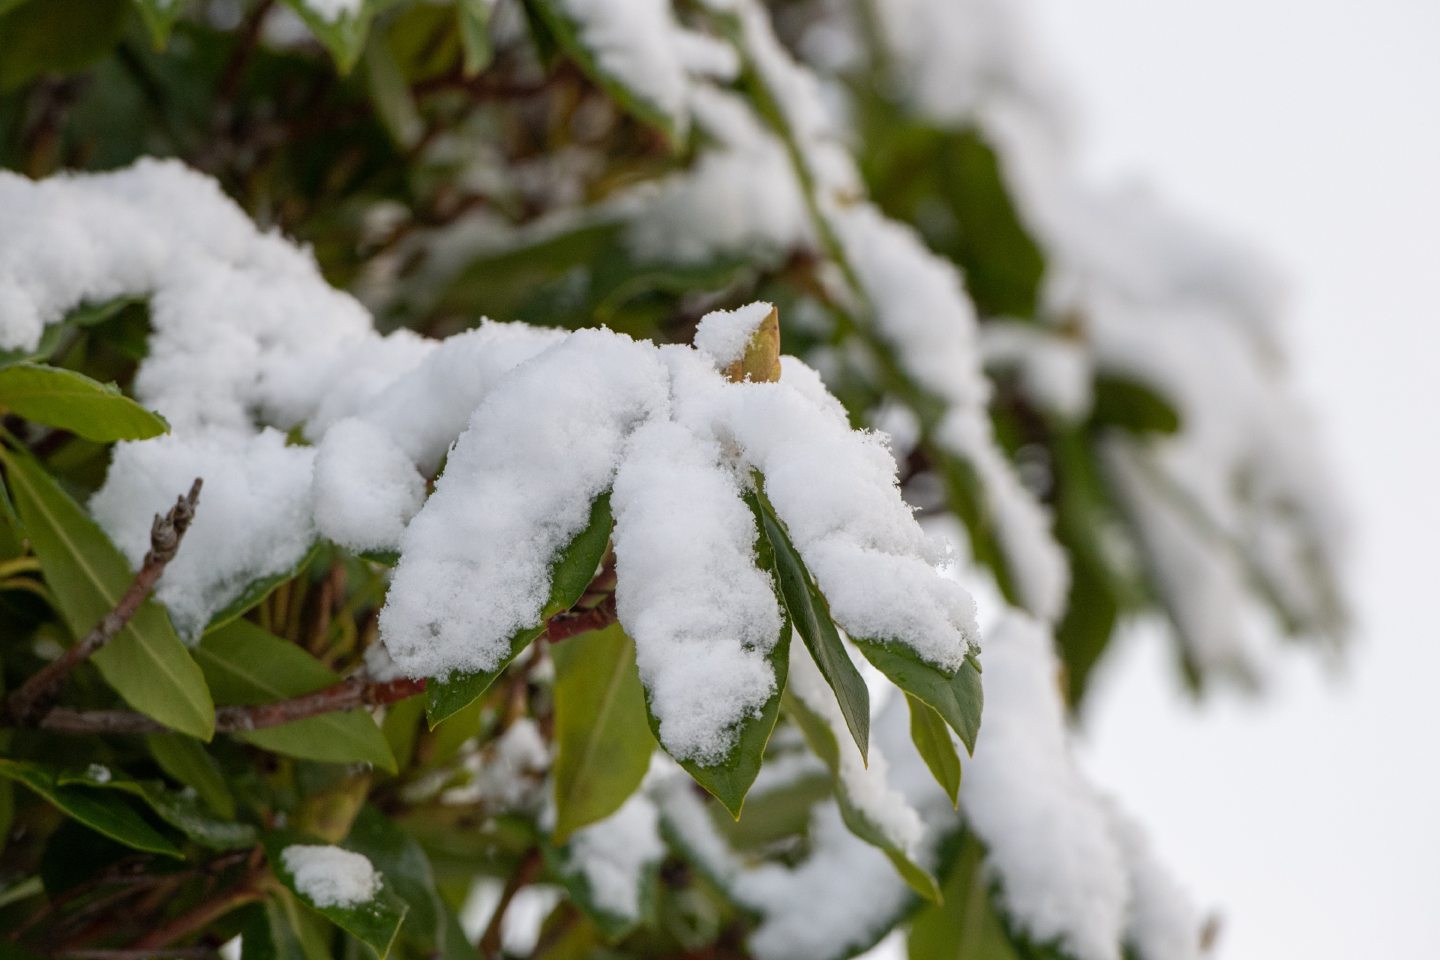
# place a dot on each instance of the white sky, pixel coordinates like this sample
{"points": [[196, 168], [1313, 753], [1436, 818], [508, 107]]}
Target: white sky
{"points": [[1310, 820]]}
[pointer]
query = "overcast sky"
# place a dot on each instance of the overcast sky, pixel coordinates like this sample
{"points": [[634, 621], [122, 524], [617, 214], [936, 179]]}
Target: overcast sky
{"points": [[1310, 128]]}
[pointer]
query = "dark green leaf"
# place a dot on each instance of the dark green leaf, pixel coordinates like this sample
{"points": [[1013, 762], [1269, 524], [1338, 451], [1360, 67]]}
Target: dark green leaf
{"points": [[932, 740], [72, 401], [185, 760], [957, 699], [444, 698], [246, 665], [257, 590], [1132, 405], [602, 739], [407, 870], [179, 810], [810, 613], [146, 663], [105, 813], [570, 574], [375, 923], [57, 38]]}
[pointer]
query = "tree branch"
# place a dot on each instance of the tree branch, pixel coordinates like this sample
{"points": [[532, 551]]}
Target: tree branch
{"points": [[35, 695], [345, 695]]}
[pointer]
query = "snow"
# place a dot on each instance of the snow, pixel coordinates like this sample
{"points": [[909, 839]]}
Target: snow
{"points": [[866, 787], [517, 488], [702, 615], [1162, 923], [635, 41], [334, 10], [329, 876], [1061, 874], [98, 772], [835, 490], [921, 309], [253, 519], [366, 489], [724, 334], [615, 854]]}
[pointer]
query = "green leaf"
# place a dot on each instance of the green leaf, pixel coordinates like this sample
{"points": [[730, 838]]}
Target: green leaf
{"points": [[185, 760], [375, 923], [821, 737], [932, 740], [1132, 405], [407, 870], [72, 401], [160, 17], [579, 562], [257, 590], [810, 614], [145, 663], [246, 665], [602, 738], [730, 779], [179, 810], [104, 813], [570, 574], [390, 94], [958, 699], [343, 37], [57, 38], [474, 23], [568, 33], [444, 698], [964, 926]]}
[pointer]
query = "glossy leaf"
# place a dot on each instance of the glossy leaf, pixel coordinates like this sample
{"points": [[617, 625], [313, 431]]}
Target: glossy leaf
{"points": [[179, 810], [407, 871], [245, 665], [810, 614], [185, 760], [958, 699], [105, 813], [569, 576], [375, 923], [932, 739], [72, 401], [145, 663], [602, 739]]}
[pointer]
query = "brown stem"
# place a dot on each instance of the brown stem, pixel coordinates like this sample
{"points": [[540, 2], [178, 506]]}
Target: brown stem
{"points": [[567, 625], [345, 695], [197, 919], [489, 945], [33, 696]]}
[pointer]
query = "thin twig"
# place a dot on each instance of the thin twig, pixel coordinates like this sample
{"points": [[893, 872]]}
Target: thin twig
{"points": [[33, 696], [489, 943], [345, 695]]}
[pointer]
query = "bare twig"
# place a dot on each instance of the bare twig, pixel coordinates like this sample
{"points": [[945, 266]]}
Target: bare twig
{"points": [[35, 695], [489, 944], [345, 695]]}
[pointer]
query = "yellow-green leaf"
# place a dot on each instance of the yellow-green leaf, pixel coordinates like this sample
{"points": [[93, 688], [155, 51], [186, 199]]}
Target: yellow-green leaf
{"points": [[72, 401], [245, 665], [603, 742], [932, 740], [145, 663]]}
